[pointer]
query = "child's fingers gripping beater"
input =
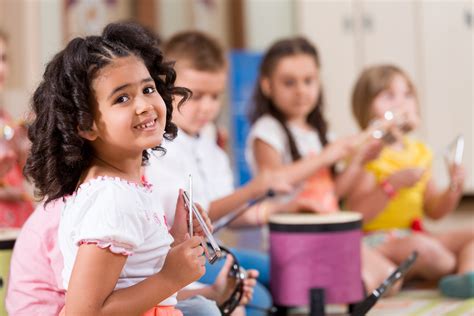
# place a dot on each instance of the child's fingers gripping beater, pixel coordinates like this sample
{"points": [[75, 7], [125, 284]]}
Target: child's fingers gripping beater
{"points": [[185, 262]]}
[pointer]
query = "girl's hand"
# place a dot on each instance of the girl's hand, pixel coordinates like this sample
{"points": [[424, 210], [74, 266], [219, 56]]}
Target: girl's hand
{"points": [[406, 178], [268, 179], [306, 205], [338, 150], [180, 225], [368, 151], [181, 219], [185, 263], [457, 176], [197, 229]]}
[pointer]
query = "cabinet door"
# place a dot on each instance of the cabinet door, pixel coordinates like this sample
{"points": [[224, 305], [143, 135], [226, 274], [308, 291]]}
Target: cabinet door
{"points": [[447, 64], [330, 26], [389, 34]]}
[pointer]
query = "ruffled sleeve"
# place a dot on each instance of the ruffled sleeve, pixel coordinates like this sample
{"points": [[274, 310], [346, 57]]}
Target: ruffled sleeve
{"points": [[111, 219]]}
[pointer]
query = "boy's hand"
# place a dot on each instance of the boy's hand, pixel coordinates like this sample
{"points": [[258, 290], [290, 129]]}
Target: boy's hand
{"points": [[249, 285], [185, 263], [225, 285], [406, 178]]}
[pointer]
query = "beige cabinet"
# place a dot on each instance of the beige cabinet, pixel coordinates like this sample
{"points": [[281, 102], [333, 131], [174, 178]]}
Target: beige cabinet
{"points": [[431, 40], [331, 26], [446, 63]]}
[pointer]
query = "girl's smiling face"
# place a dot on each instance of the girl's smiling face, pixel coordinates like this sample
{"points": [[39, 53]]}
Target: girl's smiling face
{"points": [[129, 114], [293, 86]]}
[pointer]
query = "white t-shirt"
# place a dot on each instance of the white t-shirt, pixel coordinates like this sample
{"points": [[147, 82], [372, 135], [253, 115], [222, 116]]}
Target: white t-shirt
{"points": [[199, 156], [270, 131], [121, 216]]}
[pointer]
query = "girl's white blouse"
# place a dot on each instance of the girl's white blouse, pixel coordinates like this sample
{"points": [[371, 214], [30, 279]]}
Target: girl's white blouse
{"points": [[121, 216], [270, 131]]}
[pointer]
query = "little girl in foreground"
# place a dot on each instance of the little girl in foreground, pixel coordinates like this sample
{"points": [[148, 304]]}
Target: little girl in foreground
{"points": [[104, 100]]}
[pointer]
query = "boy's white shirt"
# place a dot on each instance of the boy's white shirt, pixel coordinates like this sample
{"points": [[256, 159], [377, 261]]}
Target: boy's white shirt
{"points": [[199, 156]]}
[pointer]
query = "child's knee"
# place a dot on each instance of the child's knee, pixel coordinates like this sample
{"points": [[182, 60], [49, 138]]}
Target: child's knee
{"points": [[433, 257]]}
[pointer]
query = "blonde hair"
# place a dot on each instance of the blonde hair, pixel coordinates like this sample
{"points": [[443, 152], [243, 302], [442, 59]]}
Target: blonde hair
{"points": [[370, 83]]}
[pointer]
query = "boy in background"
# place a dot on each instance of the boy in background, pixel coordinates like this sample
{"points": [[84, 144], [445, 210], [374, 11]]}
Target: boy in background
{"points": [[201, 66]]}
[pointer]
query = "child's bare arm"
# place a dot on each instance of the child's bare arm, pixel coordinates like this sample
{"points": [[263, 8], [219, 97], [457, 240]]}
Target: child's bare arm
{"points": [[267, 158], [349, 177], [367, 197], [221, 207], [439, 203], [95, 274], [273, 173], [258, 186], [12, 194], [370, 198]]}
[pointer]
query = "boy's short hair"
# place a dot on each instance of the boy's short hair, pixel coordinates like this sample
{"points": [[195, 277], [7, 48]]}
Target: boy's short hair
{"points": [[201, 51]]}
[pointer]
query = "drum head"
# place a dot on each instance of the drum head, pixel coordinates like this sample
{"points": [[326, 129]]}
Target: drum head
{"points": [[306, 222]]}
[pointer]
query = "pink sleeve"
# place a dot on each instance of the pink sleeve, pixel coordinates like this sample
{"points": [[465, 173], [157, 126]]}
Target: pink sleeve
{"points": [[34, 286]]}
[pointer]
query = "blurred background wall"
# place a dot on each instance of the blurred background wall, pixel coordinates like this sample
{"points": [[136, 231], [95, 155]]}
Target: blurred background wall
{"points": [[432, 40]]}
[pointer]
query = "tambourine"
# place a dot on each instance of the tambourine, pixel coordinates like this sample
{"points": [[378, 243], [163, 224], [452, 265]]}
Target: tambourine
{"points": [[239, 274]]}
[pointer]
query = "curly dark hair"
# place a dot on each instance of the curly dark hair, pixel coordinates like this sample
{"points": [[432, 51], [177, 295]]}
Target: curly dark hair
{"points": [[62, 104], [264, 105]]}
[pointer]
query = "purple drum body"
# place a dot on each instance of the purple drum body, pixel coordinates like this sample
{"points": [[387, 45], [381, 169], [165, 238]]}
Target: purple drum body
{"points": [[315, 251]]}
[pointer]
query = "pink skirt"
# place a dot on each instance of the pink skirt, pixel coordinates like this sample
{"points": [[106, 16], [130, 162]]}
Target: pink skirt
{"points": [[155, 311]]}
